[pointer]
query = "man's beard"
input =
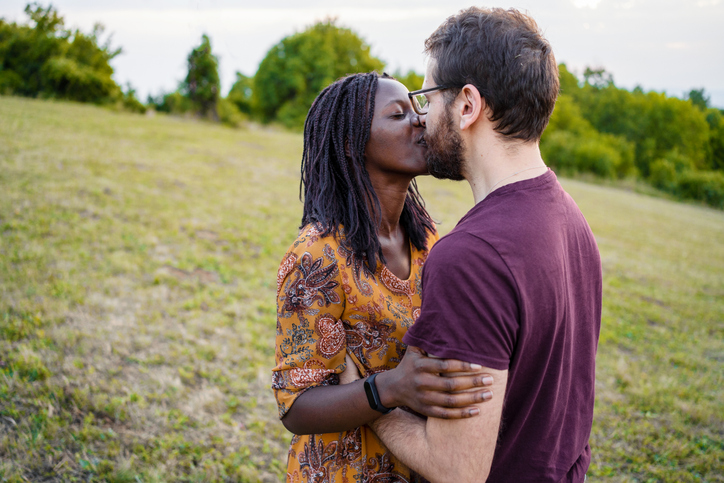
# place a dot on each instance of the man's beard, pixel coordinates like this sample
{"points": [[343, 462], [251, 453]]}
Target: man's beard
{"points": [[444, 155]]}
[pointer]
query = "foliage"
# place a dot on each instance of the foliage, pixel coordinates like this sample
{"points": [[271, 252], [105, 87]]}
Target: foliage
{"points": [[130, 102], [137, 305], [707, 186], [43, 59], [571, 145], [241, 93], [699, 98], [171, 103], [296, 69], [201, 85], [412, 80], [229, 113], [599, 128], [715, 119]]}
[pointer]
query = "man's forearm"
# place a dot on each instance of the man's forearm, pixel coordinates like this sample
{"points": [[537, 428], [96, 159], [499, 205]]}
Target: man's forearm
{"points": [[404, 435], [444, 450]]}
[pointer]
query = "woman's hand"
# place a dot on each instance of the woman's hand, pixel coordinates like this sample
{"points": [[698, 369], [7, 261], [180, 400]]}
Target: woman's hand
{"points": [[438, 388]]}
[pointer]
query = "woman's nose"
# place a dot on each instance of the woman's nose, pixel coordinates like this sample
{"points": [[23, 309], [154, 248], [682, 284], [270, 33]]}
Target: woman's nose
{"points": [[418, 120]]}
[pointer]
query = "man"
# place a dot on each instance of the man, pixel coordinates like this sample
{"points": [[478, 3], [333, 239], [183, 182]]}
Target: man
{"points": [[516, 286]]}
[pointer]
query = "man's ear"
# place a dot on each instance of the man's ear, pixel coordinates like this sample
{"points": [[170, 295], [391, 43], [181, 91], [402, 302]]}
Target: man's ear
{"points": [[472, 106]]}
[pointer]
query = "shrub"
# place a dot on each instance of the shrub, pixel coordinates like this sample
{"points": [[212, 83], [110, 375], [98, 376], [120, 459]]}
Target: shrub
{"points": [[662, 175], [130, 102], [229, 113], [707, 186], [172, 103], [605, 155], [42, 59]]}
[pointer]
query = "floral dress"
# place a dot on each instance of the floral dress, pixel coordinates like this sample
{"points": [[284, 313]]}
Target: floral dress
{"points": [[330, 304]]}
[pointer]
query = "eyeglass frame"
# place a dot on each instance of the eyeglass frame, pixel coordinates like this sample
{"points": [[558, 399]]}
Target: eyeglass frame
{"points": [[412, 94]]}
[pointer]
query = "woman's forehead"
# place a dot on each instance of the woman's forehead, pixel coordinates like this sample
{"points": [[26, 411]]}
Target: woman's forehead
{"points": [[389, 91]]}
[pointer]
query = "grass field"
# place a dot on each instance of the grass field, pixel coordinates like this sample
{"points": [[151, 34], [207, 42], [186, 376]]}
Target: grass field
{"points": [[138, 262]]}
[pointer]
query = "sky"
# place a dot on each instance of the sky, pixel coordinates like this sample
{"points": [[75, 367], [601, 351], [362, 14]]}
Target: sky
{"points": [[662, 45]]}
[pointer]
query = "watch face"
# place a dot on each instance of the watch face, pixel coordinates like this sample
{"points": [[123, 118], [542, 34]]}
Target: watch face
{"points": [[370, 393], [373, 397]]}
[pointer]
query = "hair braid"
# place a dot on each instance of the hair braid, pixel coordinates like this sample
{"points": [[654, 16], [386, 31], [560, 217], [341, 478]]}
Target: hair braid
{"points": [[336, 188]]}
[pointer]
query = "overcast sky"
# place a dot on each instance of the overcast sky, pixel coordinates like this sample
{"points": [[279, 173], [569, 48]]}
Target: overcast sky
{"points": [[664, 45]]}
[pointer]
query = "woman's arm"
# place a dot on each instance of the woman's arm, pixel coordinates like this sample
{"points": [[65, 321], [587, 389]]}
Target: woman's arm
{"points": [[428, 386]]}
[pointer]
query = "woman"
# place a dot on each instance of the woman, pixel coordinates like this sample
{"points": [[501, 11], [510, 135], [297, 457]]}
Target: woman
{"points": [[349, 287]]}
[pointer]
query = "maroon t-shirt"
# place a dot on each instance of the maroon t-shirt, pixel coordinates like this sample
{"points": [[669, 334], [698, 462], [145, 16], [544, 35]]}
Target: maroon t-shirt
{"points": [[516, 285]]}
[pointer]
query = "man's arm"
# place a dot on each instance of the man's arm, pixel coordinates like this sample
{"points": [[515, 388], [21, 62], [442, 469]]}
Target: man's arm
{"points": [[445, 450]]}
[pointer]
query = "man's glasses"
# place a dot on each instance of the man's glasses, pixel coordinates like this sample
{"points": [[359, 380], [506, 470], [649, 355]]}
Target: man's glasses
{"points": [[419, 98]]}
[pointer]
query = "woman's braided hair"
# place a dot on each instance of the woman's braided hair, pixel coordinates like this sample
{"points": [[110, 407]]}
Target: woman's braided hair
{"points": [[335, 185]]}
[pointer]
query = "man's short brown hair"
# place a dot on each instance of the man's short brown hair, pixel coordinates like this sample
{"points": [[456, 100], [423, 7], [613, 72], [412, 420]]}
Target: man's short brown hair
{"points": [[505, 56]]}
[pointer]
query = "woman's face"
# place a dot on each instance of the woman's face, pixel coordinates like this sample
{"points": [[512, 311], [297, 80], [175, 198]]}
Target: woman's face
{"points": [[396, 145]]}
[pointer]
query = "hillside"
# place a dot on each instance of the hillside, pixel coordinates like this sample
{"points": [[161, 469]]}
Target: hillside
{"points": [[138, 260]]}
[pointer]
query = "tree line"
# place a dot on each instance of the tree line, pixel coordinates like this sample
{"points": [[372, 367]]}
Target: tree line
{"points": [[676, 145]]}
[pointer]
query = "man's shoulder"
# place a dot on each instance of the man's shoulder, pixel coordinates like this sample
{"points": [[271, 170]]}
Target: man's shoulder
{"points": [[458, 246]]}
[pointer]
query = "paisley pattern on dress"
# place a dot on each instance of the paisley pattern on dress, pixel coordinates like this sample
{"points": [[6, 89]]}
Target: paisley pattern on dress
{"points": [[314, 458], [286, 266], [369, 336], [313, 282], [329, 304], [360, 271], [331, 332]]}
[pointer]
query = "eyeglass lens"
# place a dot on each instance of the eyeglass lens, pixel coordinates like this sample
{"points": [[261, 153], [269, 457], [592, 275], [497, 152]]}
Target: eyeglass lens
{"points": [[420, 103]]}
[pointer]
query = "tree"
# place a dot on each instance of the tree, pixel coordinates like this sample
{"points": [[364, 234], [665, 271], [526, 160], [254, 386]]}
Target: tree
{"points": [[569, 82], [412, 80], [296, 69], [202, 82], [241, 92], [598, 77], [42, 59], [699, 98]]}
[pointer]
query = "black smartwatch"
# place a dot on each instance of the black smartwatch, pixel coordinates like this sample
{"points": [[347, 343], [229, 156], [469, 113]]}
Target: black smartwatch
{"points": [[373, 397]]}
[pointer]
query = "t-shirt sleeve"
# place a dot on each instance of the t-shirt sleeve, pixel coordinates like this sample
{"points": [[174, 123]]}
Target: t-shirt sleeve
{"points": [[469, 304], [310, 340]]}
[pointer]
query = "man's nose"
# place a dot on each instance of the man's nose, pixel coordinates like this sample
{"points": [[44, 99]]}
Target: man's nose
{"points": [[419, 120]]}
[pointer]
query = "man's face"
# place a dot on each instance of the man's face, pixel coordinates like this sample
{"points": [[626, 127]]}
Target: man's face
{"points": [[445, 151]]}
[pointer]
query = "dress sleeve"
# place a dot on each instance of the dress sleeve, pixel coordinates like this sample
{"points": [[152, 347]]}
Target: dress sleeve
{"points": [[310, 340], [469, 304]]}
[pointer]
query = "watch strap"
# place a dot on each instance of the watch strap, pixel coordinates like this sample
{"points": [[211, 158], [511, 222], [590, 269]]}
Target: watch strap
{"points": [[373, 397]]}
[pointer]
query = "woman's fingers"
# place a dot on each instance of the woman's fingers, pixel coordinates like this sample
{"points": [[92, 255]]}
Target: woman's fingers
{"points": [[453, 383], [456, 400], [442, 413], [429, 364]]}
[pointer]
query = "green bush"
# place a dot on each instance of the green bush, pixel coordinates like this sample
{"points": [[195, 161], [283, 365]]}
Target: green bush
{"points": [[68, 79], [172, 103], [605, 155], [241, 92], [42, 59], [707, 186], [229, 113], [130, 102], [662, 175]]}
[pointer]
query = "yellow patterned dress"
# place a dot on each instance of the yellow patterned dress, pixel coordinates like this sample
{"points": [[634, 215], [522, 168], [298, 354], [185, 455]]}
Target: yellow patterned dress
{"points": [[330, 304]]}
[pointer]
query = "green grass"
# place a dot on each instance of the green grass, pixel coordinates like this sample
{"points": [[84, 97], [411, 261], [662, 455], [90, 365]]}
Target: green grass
{"points": [[138, 262]]}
